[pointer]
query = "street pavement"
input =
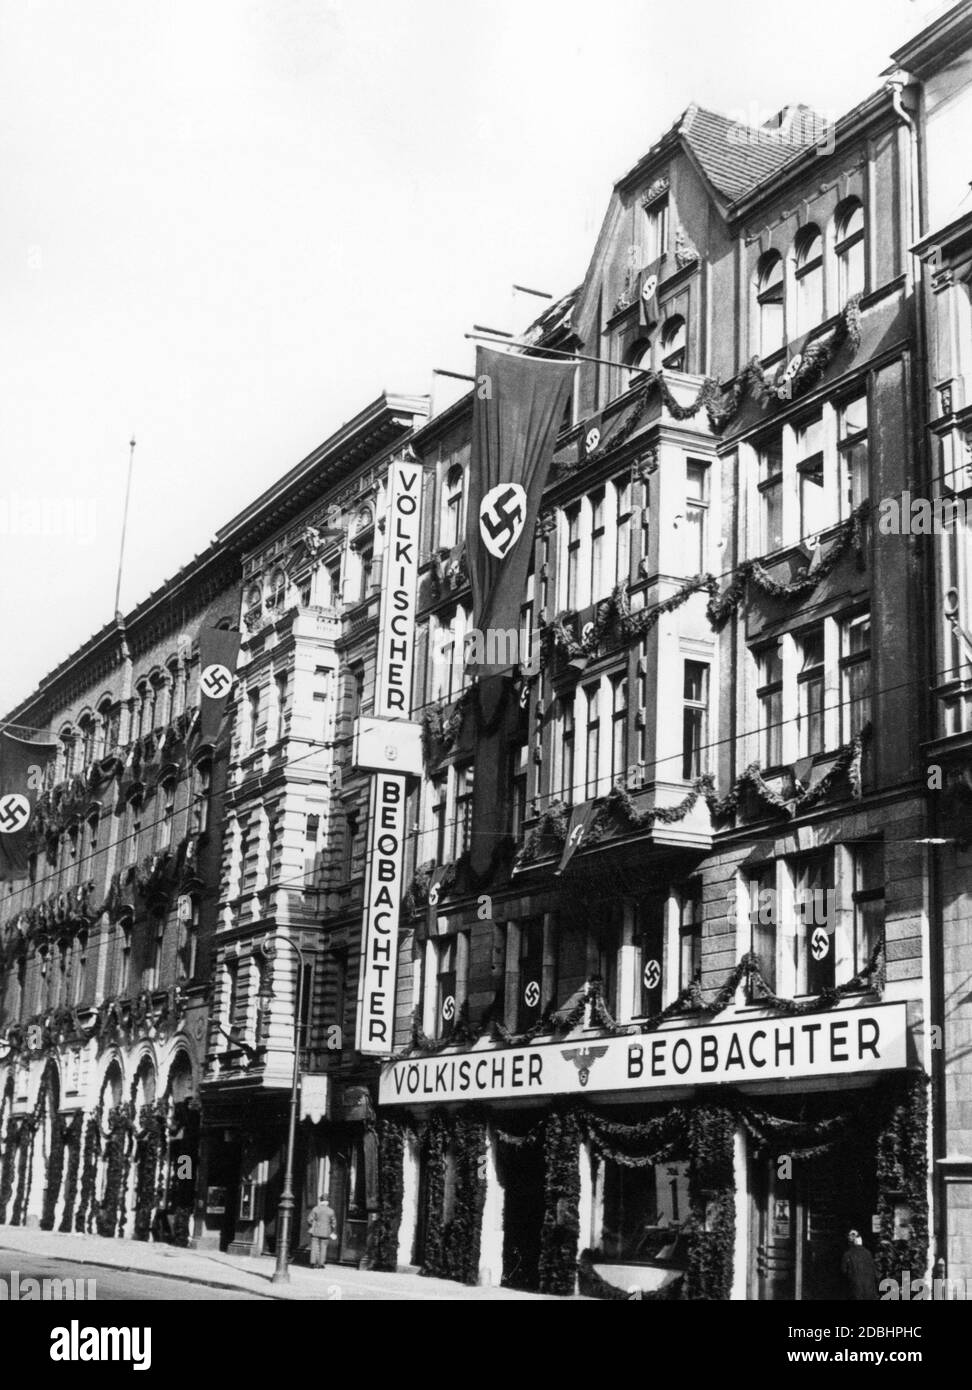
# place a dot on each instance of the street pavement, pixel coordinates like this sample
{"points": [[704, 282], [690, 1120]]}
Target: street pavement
{"points": [[142, 1270]]}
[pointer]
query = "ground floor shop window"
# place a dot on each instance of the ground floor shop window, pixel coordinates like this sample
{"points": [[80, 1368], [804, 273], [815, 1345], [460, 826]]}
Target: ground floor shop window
{"points": [[645, 1209]]}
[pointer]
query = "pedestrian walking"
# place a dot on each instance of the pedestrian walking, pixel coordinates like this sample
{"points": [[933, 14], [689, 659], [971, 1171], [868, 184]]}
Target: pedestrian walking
{"points": [[320, 1223]]}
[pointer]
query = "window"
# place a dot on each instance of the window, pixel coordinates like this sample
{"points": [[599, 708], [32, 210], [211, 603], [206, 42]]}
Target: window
{"points": [[333, 572], [645, 557], [656, 214], [86, 728], [769, 694], [176, 690], [696, 509], [530, 978], [451, 524], [202, 781], [814, 923], [763, 920], [273, 846], [253, 700], [619, 728], [80, 967], [231, 992], [854, 457], [94, 824], [142, 710], [850, 249], [305, 591], [868, 897], [563, 749], [637, 360], [244, 857], [438, 808], [855, 675], [597, 545], [134, 829], [604, 943], [519, 765], [769, 303], [110, 716], [464, 806], [673, 343], [278, 587], [281, 682], [690, 936], [168, 812], [815, 509], [366, 563], [188, 938], [67, 752], [124, 939], [810, 689], [357, 690], [770, 456], [152, 974], [446, 1004], [254, 599], [643, 1210], [592, 696], [622, 500], [312, 829], [809, 279], [306, 1018], [573, 557], [694, 717]]}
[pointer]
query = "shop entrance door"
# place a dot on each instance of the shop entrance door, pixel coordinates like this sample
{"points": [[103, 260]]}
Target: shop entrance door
{"points": [[777, 1212], [522, 1176]]}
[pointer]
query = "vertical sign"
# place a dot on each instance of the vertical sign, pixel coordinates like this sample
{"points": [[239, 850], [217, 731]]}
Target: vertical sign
{"points": [[375, 1015]]}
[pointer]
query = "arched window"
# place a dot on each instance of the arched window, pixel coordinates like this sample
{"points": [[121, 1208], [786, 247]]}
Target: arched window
{"points": [[451, 520], [108, 715], [67, 751], [158, 709], [133, 830], [168, 813], [673, 343], [86, 728], [253, 599], [174, 703], [808, 268], [142, 694], [849, 247], [769, 303], [637, 359]]}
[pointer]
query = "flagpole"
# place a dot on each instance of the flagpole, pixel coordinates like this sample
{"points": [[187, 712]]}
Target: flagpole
{"points": [[121, 552], [557, 352]]}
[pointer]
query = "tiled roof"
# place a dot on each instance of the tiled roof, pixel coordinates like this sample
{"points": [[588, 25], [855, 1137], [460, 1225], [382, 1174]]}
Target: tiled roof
{"points": [[733, 163], [554, 318]]}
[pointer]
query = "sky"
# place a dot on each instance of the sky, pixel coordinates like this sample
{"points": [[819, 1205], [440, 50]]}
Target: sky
{"points": [[227, 225]]}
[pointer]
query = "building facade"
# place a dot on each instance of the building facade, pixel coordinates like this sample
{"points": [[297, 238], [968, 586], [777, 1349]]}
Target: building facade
{"points": [[107, 943], [623, 1046]]}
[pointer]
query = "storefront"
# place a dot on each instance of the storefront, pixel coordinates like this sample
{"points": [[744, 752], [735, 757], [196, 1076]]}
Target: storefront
{"points": [[714, 1162]]}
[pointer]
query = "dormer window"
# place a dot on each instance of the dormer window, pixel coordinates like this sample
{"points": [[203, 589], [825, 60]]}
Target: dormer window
{"points": [[656, 213]]}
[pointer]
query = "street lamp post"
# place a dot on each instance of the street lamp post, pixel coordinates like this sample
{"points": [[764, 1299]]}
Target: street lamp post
{"points": [[285, 1210]]}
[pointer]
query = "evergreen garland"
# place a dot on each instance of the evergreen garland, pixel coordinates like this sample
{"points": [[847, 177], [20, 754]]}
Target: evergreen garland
{"points": [[55, 1172], [712, 1230], [902, 1173], [462, 1234], [383, 1232], [110, 1218], [434, 1145], [85, 1214], [560, 1231], [72, 1144], [149, 1153]]}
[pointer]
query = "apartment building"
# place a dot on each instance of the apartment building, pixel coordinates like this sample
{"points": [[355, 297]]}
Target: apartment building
{"points": [[106, 942], [664, 1010]]}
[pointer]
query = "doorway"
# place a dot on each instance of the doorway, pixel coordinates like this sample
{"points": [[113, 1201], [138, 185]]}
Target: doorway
{"points": [[522, 1175]]}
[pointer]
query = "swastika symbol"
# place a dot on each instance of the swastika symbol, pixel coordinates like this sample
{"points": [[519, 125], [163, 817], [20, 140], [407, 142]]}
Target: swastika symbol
{"points": [[14, 813], [215, 681], [448, 1007], [819, 943], [649, 286], [531, 995], [576, 835], [651, 974], [501, 516], [433, 895], [591, 440]]}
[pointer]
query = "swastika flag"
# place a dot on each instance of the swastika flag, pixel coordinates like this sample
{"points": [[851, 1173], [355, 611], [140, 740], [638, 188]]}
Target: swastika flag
{"points": [[518, 408], [22, 768], [218, 650]]}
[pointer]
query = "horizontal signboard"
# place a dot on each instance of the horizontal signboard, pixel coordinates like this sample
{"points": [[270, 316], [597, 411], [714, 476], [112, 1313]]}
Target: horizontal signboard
{"points": [[841, 1043]]}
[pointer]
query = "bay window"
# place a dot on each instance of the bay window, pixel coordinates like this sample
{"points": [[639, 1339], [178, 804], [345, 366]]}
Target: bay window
{"points": [[810, 691], [690, 935], [592, 697], [763, 920], [695, 697], [769, 695], [622, 499], [868, 899], [619, 728], [696, 513]]}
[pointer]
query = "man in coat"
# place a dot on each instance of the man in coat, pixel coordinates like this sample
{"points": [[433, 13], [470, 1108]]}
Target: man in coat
{"points": [[320, 1222], [857, 1267]]}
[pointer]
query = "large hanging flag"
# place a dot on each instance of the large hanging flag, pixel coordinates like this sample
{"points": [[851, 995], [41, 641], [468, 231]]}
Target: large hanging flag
{"points": [[218, 650], [581, 818], [649, 312], [22, 768], [518, 409]]}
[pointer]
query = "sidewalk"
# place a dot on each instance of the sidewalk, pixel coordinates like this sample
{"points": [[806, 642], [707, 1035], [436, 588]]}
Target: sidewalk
{"points": [[249, 1273]]}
